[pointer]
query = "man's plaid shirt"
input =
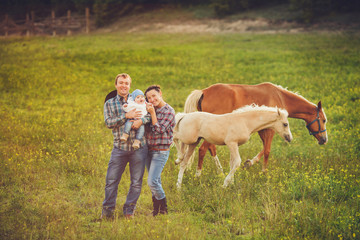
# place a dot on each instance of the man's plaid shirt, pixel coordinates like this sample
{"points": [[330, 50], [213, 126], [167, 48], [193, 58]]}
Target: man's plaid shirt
{"points": [[115, 119], [160, 135]]}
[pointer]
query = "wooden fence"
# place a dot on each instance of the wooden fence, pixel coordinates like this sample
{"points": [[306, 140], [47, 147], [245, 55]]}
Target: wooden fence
{"points": [[52, 25]]}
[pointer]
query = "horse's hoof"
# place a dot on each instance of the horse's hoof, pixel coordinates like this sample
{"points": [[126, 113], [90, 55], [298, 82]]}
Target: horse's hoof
{"points": [[227, 181], [247, 163], [177, 161]]}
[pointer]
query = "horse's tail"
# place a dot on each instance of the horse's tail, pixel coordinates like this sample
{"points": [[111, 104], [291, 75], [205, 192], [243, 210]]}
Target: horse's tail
{"points": [[180, 145], [193, 104], [178, 118], [193, 101]]}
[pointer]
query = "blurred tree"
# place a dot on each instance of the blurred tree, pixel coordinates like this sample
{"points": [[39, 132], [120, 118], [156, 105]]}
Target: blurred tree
{"points": [[106, 11], [80, 5], [61, 6], [312, 9], [18, 8], [226, 7]]}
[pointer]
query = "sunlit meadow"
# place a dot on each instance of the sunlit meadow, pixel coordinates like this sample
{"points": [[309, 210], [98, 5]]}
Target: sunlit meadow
{"points": [[54, 146]]}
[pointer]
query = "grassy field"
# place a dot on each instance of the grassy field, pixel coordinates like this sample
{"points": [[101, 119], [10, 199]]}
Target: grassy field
{"points": [[54, 146]]}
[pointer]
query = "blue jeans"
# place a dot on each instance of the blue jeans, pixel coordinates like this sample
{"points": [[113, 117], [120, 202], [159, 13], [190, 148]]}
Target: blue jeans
{"points": [[139, 132], [155, 163], [117, 164]]}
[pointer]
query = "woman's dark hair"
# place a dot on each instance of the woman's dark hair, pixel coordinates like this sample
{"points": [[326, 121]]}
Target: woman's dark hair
{"points": [[153, 87]]}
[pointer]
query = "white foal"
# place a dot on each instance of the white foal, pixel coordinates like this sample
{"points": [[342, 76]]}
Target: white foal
{"points": [[231, 129]]}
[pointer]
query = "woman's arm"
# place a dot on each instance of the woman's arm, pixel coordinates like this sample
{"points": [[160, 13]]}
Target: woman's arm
{"points": [[162, 124]]}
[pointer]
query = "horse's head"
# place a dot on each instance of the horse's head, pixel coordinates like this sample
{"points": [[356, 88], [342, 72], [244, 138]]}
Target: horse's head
{"points": [[317, 124], [282, 126]]}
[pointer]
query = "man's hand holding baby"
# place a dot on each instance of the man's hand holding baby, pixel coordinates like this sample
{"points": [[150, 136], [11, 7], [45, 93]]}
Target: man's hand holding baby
{"points": [[133, 114]]}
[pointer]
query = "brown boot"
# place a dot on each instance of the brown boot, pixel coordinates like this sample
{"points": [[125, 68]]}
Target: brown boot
{"points": [[129, 216], [156, 206], [163, 206]]}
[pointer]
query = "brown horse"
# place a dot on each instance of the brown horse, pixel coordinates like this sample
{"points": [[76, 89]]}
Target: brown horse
{"points": [[224, 98]]}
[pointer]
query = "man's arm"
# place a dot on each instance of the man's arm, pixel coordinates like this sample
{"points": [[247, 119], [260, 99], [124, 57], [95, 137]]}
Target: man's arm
{"points": [[112, 120]]}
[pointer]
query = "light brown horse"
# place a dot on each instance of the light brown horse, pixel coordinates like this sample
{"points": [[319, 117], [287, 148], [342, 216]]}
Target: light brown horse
{"points": [[224, 98], [231, 129]]}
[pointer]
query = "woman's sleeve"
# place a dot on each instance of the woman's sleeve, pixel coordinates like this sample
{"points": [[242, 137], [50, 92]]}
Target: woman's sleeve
{"points": [[167, 121]]}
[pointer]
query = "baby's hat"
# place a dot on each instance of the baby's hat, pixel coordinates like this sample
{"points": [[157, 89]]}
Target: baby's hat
{"points": [[136, 93]]}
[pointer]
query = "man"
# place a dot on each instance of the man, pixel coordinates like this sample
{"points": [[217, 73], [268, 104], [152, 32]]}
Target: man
{"points": [[123, 153]]}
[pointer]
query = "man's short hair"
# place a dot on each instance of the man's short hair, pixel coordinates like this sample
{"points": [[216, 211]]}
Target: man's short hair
{"points": [[122, 75]]}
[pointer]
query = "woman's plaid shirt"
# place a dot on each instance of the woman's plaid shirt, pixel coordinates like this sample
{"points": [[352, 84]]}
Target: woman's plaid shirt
{"points": [[160, 135], [115, 119]]}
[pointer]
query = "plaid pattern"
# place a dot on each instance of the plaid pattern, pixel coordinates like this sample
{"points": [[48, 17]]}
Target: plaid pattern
{"points": [[115, 119], [160, 135]]}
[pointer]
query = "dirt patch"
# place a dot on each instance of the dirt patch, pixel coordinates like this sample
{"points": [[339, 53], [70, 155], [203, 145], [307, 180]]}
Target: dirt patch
{"points": [[207, 26], [174, 20]]}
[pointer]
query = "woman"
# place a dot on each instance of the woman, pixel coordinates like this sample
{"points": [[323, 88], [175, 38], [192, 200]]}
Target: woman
{"points": [[159, 136]]}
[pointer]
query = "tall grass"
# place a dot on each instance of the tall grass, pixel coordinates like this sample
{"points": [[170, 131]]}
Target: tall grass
{"points": [[54, 146]]}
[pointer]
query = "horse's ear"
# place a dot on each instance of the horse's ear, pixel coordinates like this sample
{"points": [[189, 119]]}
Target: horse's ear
{"points": [[319, 105], [278, 110]]}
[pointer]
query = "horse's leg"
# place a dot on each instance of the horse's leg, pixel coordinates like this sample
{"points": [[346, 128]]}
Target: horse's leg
{"points": [[249, 163], [212, 149], [267, 139], [181, 149], [202, 151], [190, 151], [235, 162], [179, 153], [181, 174], [266, 136]]}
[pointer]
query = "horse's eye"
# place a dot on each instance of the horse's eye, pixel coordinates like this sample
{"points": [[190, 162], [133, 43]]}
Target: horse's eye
{"points": [[285, 124], [324, 121]]}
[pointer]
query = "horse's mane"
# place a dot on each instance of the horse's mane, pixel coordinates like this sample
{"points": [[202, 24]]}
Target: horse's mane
{"points": [[296, 93], [254, 107], [285, 88]]}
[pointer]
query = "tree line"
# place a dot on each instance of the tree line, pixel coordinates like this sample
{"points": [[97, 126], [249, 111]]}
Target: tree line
{"points": [[105, 10]]}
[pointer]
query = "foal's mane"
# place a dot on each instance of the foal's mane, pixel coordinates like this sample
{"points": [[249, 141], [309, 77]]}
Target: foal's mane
{"points": [[254, 107]]}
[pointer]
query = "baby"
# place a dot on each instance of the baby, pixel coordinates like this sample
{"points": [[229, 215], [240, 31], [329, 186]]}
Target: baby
{"points": [[136, 101]]}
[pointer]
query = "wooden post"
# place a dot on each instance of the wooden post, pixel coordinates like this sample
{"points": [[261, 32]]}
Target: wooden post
{"points": [[6, 25], [27, 23], [69, 21], [87, 20], [32, 23], [53, 23]]}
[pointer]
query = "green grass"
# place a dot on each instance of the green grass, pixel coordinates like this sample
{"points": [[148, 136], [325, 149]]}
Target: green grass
{"points": [[54, 146]]}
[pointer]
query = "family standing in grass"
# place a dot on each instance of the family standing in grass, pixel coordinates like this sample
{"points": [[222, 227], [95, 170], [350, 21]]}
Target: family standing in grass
{"points": [[133, 147]]}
